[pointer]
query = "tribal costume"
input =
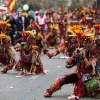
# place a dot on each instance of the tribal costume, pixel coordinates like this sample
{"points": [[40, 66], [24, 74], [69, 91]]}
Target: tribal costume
{"points": [[65, 48], [38, 37], [62, 22], [53, 38], [5, 27], [86, 83], [7, 56], [5, 48], [30, 61]]}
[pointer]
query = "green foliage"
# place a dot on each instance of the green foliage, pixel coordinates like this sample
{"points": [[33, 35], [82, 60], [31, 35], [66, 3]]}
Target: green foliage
{"points": [[34, 7], [75, 4], [24, 1]]}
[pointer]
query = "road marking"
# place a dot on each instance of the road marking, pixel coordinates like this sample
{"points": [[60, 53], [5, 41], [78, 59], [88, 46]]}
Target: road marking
{"points": [[58, 73], [46, 71], [37, 88], [11, 87], [18, 76], [64, 57], [36, 76], [58, 66]]}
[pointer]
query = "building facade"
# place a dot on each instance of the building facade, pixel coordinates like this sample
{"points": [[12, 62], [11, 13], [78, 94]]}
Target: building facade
{"points": [[4, 2]]}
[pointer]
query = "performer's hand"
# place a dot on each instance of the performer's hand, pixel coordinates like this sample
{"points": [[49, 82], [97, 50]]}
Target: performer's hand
{"points": [[74, 54], [44, 40], [15, 42], [65, 53], [84, 53]]}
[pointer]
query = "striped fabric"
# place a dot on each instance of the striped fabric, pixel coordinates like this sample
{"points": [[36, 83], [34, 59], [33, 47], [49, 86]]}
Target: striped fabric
{"points": [[11, 6]]}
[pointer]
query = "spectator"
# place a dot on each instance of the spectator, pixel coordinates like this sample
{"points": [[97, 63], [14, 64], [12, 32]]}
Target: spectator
{"points": [[4, 17], [41, 21], [19, 25], [23, 19], [29, 18], [12, 22], [36, 14]]}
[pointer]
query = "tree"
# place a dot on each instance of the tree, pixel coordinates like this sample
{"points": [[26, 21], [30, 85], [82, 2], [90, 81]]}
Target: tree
{"points": [[20, 3], [34, 7], [75, 4]]}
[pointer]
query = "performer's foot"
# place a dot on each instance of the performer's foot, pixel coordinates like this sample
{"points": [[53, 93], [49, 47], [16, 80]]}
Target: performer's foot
{"points": [[9, 67], [45, 51], [42, 53], [53, 88], [49, 55], [47, 93], [33, 73], [25, 74], [4, 70], [21, 73]]}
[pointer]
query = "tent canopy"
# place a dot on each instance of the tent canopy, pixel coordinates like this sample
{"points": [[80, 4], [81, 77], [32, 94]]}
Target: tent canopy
{"points": [[3, 8]]}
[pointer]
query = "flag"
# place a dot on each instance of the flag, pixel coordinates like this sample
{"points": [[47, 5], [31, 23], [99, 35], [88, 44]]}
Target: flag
{"points": [[11, 6]]}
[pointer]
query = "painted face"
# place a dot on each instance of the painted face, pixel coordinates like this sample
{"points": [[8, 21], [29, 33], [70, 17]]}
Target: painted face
{"points": [[41, 15], [25, 46], [31, 40], [5, 42], [73, 39], [33, 25], [3, 27], [80, 53]]}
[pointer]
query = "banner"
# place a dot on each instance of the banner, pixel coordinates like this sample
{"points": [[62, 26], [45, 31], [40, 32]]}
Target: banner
{"points": [[11, 6]]}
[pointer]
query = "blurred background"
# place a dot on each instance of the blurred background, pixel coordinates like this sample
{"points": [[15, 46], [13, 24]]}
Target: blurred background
{"points": [[69, 5]]}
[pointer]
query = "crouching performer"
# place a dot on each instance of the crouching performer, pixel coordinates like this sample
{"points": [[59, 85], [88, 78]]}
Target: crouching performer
{"points": [[30, 62], [66, 48], [7, 56], [53, 38], [86, 83]]}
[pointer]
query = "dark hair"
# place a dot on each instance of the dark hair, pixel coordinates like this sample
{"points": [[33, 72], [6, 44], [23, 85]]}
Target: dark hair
{"points": [[7, 17], [19, 13]]}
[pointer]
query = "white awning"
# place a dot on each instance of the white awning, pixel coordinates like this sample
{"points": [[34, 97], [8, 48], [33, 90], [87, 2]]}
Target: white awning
{"points": [[3, 8]]}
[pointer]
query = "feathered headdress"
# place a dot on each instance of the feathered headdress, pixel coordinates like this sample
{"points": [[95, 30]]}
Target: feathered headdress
{"points": [[1, 36], [5, 26], [4, 38], [27, 36], [34, 24], [80, 32], [54, 27]]}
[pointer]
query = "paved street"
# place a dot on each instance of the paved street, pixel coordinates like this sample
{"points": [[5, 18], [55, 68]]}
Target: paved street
{"points": [[13, 87]]}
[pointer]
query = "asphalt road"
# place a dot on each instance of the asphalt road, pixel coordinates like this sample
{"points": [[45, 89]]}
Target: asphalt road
{"points": [[13, 87]]}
